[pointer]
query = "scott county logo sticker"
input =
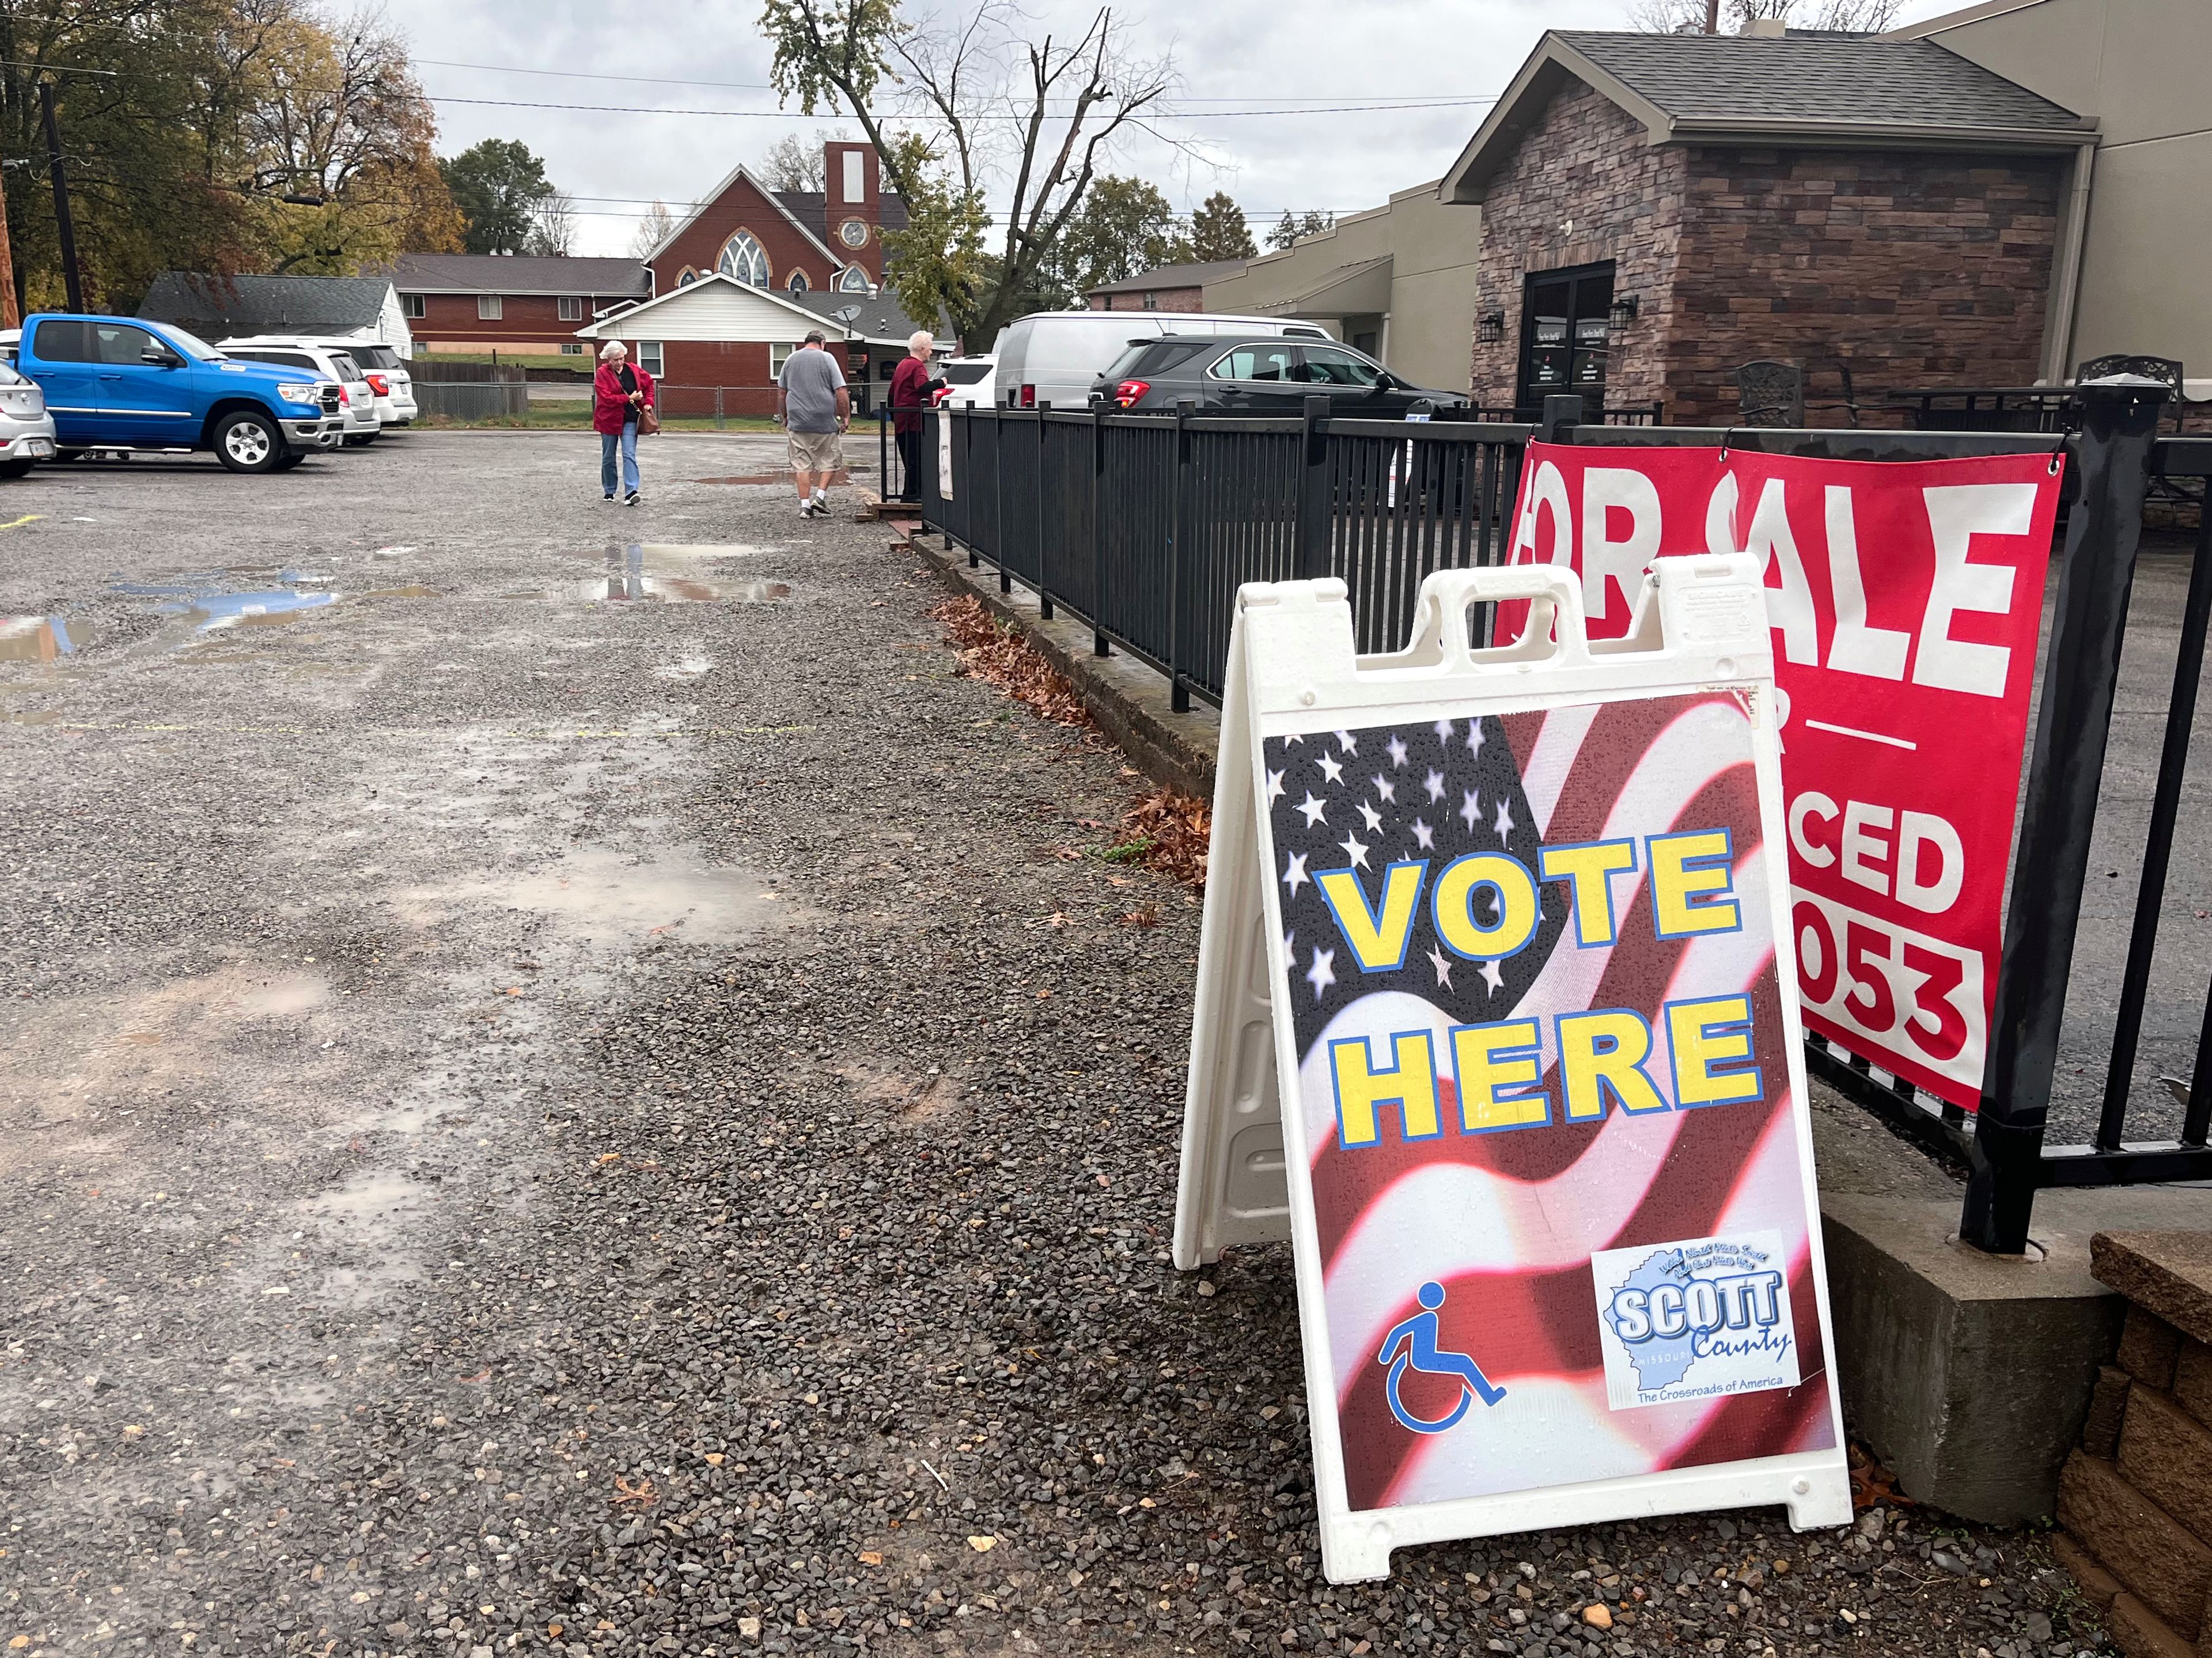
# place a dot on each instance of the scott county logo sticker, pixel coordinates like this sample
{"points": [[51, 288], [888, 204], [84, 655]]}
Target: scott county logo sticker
{"points": [[1695, 1320]]}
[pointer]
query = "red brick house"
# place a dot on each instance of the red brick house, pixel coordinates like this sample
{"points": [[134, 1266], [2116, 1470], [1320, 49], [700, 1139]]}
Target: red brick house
{"points": [[799, 241], [1164, 288], [1658, 209], [480, 302]]}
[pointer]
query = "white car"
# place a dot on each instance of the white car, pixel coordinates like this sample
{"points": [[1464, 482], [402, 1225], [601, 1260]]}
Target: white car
{"points": [[388, 377], [969, 383], [26, 430], [328, 361]]}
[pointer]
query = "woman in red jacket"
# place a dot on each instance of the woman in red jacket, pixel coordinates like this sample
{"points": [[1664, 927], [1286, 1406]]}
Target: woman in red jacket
{"points": [[620, 395]]}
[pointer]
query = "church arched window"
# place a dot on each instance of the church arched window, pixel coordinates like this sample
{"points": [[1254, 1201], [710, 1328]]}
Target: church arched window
{"points": [[745, 259], [854, 281], [798, 284]]}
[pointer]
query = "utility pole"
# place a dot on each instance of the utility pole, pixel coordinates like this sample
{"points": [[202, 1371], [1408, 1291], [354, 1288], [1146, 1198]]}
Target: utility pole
{"points": [[63, 224], [1712, 16], [11, 314]]}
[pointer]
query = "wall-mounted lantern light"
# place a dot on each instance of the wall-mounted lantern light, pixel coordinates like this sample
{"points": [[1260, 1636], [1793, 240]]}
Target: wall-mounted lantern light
{"points": [[1490, 327], [1623, 310]]}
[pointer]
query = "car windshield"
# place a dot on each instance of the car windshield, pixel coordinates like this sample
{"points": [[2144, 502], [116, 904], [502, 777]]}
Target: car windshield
{"points": [[190, 344], [379, 358], [345, 367]]}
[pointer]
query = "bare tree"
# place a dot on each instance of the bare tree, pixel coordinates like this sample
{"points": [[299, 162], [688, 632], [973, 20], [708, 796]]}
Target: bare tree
{"points": [[794, 161], [1011, 119], [555, 229], [652, 230], [1691, 16]]}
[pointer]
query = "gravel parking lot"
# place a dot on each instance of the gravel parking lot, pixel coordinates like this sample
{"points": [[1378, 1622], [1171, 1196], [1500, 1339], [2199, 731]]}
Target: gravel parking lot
{"points": [[573, 1100]]}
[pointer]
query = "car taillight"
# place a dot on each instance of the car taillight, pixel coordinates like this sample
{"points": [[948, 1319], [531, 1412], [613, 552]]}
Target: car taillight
{"points": [[1127, 393], [380, 385], [1028, 397]]}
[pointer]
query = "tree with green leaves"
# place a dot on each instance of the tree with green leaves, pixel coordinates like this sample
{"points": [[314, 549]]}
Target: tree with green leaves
{"points": [[1026, 118], [502, 192], [1295, 225], [1218, 230], [1125, 226]]}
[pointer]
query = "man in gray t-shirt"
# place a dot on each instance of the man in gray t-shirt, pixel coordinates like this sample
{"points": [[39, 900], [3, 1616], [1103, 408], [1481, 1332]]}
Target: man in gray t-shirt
{"points": [[812, 401]]}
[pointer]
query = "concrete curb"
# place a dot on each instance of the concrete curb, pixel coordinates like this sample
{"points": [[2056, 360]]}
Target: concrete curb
{"points": [[1128, 700]]}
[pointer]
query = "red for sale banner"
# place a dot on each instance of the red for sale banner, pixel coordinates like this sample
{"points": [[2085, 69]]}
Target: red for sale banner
{"points": [[1904, 599]]}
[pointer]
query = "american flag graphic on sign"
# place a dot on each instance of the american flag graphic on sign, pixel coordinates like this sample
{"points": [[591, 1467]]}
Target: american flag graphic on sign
{"points": [[1466, 903]]}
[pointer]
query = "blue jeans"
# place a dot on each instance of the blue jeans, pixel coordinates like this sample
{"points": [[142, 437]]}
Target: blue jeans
{"points": [[627, 441]]}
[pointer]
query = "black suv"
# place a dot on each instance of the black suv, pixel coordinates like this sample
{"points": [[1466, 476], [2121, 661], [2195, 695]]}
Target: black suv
{"points": [[1262, 374]]}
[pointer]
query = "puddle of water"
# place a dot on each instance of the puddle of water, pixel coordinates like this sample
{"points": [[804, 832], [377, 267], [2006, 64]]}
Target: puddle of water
{"points": [[35, 638], [841, 475], [366, 1197], [413, 590], [216, 599], [605, 897], [678, 574]]}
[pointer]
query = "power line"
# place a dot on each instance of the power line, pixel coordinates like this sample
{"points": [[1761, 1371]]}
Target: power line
{"points": [[785, 115]]}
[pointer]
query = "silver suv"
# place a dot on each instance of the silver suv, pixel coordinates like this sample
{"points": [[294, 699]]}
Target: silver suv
{"points": [[331, 363]]}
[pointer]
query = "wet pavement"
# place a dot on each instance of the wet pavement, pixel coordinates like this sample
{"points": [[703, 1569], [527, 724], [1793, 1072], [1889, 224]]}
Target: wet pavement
{"points": [[570, 1089]]}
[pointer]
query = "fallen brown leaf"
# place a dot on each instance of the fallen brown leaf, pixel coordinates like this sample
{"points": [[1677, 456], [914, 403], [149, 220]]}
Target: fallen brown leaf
{"points": [[642, 1493]]}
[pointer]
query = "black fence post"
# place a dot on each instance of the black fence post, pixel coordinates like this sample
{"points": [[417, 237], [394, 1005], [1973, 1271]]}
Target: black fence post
{"points": [[2120, 425], [1099, 644], [964, 432], [999, 498], [1312, 508], [1178, 536], [1044, 584], [1560, 413]]}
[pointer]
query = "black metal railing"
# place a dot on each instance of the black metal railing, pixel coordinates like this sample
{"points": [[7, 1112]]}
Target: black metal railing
{"points": [[1146, 527], [1197, 505]]}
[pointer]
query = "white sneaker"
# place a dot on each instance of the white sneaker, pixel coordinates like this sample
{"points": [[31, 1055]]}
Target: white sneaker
{"points": [[806, 509]]}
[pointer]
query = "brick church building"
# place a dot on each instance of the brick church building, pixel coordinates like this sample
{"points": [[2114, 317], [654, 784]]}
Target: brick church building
{"points": [[797, 241]]}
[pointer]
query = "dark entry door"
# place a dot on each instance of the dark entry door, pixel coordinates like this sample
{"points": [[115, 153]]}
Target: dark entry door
{"points": [[1563, 336]]}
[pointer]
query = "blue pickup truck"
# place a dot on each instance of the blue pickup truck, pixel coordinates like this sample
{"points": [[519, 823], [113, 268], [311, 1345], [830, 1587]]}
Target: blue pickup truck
{"points": [[118, 383]]}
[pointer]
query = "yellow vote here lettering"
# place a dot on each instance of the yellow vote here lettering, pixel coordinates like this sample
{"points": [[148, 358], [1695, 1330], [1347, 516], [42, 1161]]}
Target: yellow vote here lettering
{"points": [[1362, 1091], [1514, 891], [1710, 1040], [1499, 1072], [1378, 936], [1589, 870], [1692, 875], [1602, 1055]]}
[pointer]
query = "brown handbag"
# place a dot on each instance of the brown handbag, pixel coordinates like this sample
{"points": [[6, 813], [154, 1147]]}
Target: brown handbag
{"points": [[648, 420]]}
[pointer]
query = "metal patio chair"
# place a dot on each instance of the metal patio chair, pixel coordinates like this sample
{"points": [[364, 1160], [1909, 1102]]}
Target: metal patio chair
{"points": [[1770, 393]]}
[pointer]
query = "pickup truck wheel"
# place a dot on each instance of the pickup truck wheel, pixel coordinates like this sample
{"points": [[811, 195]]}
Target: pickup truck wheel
{"points": [[246, 440], [16, 469], [288, 461]]}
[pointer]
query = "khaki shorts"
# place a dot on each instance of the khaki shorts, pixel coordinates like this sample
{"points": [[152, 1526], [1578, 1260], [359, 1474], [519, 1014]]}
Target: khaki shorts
{"points": [[816, 452]]}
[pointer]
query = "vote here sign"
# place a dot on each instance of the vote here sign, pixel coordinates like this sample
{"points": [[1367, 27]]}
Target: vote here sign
{"points": [[1904, 600]]}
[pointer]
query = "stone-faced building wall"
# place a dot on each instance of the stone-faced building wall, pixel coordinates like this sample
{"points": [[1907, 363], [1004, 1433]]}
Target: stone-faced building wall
{"points": [[1916, 267], [1581, 188]]}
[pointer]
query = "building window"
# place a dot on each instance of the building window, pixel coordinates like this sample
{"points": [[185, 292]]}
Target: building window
{"points": [[854, 281], [686, 276], [572, 308], [797, 282], [490, 307], [856, 176], [572, 348], [746, 259], [777, 356], [648, 357], [1152, 302], [410, 305]]}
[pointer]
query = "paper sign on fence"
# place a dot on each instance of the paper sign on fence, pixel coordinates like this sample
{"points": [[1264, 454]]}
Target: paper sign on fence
{"points": [[1492, 1025]]}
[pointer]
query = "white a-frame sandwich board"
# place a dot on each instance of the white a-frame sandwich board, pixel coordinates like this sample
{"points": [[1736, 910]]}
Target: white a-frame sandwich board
{"points": [[1497, 1023]]}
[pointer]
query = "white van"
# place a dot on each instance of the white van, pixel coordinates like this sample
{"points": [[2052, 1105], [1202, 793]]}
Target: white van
{"points": [[1053, 356]]}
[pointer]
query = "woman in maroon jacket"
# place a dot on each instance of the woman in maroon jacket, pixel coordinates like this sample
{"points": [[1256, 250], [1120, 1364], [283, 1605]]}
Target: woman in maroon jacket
{"points": [[911, 386], [620, 395]]}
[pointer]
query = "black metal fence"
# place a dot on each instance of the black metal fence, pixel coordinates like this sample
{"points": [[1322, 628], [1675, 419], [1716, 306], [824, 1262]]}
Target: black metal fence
{"points": [[1145, 527]]}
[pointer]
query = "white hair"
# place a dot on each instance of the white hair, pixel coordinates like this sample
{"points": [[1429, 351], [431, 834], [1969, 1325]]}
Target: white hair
{"points": [[920, 342], [613, 349]]}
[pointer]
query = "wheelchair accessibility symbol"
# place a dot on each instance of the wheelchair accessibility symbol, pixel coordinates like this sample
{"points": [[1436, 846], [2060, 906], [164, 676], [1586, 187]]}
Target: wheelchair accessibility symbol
{"points": [[1412, 1343]]}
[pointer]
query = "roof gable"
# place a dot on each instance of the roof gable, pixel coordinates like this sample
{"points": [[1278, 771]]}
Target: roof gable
{"points": [[1804, 89], [718, 291], [768, 198]]}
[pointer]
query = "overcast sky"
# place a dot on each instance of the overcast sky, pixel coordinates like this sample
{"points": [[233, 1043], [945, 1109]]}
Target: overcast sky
{"points": [[704, 55]]}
